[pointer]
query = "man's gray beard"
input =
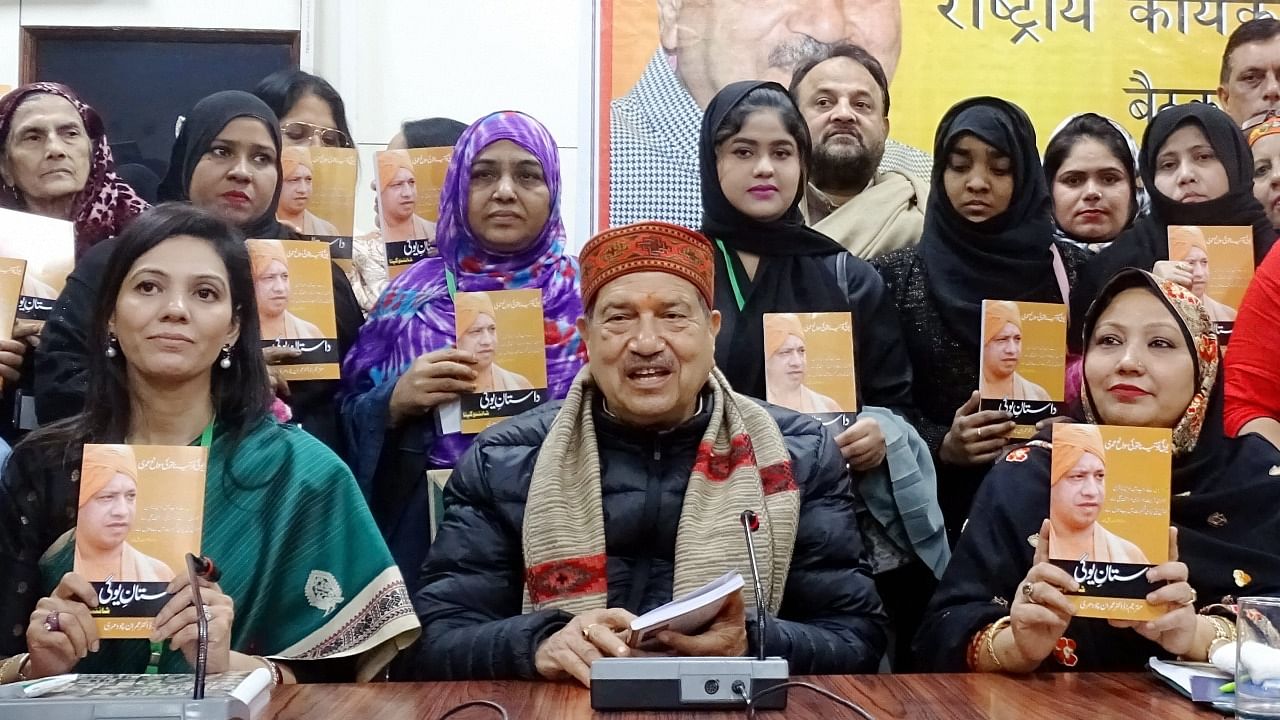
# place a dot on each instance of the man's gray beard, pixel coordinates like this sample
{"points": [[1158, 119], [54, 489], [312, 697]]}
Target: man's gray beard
{"points": [[845, 171]]}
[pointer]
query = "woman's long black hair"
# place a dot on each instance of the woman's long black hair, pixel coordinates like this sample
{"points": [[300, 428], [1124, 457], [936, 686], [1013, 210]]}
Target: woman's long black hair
{"points": [[240, 394]]}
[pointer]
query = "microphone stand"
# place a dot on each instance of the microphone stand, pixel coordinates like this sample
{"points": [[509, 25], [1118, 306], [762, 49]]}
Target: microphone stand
{"points": [[751, 523], [697, 683], [196, 568]]}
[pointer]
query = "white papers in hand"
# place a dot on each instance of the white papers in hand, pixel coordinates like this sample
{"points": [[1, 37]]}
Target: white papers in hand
{"points": [[686, 614]]}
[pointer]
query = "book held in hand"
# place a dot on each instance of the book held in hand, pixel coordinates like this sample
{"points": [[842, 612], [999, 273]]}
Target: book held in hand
{"points": [[141, 510], [1109, 515], [48, 245], [12, 271], [688, 614], [1220, 259], [293, 283], [808, 363], [409, 184], [318, 196], [1022, 365], [504, 329]]}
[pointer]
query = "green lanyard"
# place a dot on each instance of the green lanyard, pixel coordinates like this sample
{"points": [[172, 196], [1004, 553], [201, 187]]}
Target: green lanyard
{"points": [[157, 648], [733, 278], [452, 282]]}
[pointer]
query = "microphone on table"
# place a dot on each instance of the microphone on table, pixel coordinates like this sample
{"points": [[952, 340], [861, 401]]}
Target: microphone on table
{"points": [[198, 707], [697, 683], [751, 523], [200, 567]]}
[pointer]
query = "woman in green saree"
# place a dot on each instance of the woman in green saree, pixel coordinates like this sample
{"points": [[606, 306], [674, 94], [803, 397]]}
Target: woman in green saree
{"points": [[308, 588]]}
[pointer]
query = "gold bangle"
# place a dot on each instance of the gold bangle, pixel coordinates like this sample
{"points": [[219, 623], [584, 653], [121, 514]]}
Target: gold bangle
{"points": [[15, 663], [1224, 631], [5, 677], [992, 631]]}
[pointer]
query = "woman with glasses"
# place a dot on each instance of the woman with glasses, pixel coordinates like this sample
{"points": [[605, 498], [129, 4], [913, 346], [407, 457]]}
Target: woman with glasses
{"points": [[311, 111]]}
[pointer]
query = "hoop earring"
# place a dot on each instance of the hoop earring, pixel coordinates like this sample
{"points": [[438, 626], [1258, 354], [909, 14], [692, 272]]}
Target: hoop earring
{"points": [[112, 351], [225, 362]]}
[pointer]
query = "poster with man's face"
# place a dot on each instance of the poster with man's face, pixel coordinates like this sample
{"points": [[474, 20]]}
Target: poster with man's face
{"points": [[408, 185], [1217, 261], [661, 61], [140, 511], [504, 331], [809, 365], [318, 195], [1109, 500], [1023, 361], [293, 285]]}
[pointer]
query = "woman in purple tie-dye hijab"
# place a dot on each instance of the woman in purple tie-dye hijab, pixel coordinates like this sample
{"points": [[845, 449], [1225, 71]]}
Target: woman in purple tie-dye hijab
{"points": [[415, 316]]}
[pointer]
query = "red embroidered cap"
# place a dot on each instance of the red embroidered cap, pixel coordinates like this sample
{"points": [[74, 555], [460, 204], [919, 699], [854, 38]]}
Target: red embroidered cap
{"points": [[647, 247]]}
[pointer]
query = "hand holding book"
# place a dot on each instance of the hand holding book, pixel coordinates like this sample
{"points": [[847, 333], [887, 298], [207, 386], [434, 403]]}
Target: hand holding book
{"points": [[436, 378], [1175, 631], [176, 622], [976, 437], [1174, 271], [1040, 612], [862, 444], [61, 631], [726, 636]]}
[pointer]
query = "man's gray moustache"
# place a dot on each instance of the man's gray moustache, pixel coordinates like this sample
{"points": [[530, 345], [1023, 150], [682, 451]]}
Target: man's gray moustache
{"points": [[788, 57]]}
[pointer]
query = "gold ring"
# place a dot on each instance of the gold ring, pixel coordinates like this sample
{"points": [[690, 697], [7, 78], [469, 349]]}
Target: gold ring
{"points": [[586, 631], [1026, 593], [979, 433], [1192, 600]]}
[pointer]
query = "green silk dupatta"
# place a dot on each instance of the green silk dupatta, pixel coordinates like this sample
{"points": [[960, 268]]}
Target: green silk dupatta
{"points": [[300, 555]]}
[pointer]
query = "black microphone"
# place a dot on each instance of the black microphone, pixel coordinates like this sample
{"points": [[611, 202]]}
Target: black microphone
{"points": [[207, 570], [750, 523], [196, 569]]}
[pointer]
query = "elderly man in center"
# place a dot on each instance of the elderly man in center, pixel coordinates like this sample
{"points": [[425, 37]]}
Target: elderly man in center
{"points": [[565, 523]]}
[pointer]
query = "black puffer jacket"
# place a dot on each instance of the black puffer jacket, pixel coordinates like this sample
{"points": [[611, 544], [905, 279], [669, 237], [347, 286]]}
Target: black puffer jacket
{"points": [[831, 620]]}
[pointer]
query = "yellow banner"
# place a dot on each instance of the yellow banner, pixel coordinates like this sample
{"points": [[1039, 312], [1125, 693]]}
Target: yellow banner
{"points": [[1122, 58]]}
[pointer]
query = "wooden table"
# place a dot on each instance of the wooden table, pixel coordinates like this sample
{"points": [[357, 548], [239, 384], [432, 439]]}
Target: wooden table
{"points": [[918, 697]]}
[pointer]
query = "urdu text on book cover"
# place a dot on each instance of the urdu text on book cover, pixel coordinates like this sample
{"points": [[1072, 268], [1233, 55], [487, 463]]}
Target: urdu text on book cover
{"points": [[141, 510], [1109, 515], [293, 284], [1022, 365], [504, 329]]}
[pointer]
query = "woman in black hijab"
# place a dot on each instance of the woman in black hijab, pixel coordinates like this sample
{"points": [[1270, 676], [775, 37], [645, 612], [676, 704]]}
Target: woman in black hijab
{"points": [[988, 234], [754, 153], [1223, 506], [1203, 177], [768, 261], [229, 144], [226, 159]]}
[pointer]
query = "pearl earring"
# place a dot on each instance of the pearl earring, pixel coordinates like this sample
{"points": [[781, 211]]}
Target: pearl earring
{"points": [[111, 346], [225, 362]]}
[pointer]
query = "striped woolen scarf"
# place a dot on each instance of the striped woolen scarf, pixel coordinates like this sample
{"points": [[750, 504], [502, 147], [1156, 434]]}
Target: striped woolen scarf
{"points": [[742, 463]]}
